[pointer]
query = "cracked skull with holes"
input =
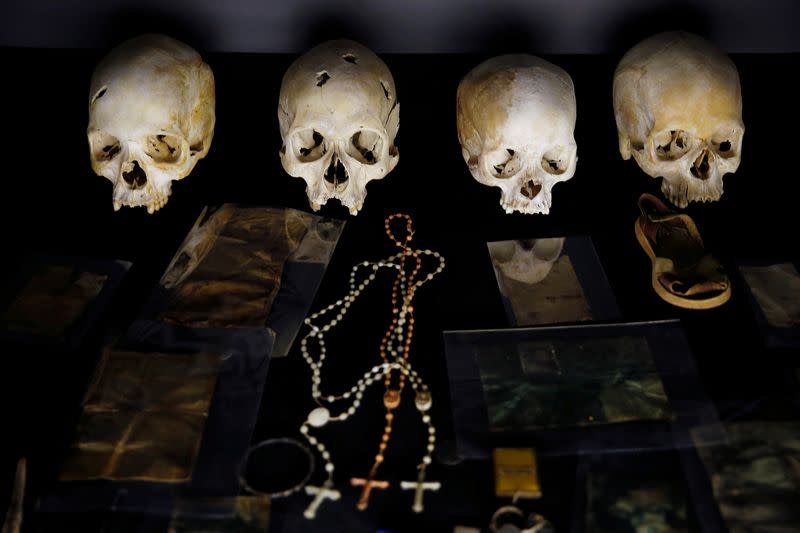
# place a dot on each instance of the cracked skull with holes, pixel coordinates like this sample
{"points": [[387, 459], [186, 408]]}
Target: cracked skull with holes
{"points": [[516, 122], [151, 118], [678, 107], [339, 117]]}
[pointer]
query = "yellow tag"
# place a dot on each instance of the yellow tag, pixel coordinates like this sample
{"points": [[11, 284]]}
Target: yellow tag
{"points": [[515, 473]]}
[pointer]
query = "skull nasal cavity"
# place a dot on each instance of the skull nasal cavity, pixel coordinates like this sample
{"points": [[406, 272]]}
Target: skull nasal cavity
{"points": [[336, 173], [530, 189], [701, 166], [136, 177]]}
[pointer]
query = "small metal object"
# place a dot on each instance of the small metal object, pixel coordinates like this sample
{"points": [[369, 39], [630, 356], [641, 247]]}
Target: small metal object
{"points": [[423, 400], [275, 442], [534, 523], [515, 473]]}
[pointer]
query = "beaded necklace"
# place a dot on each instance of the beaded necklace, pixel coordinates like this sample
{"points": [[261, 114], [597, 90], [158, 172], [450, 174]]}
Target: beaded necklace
{"points": [[395, 368]]}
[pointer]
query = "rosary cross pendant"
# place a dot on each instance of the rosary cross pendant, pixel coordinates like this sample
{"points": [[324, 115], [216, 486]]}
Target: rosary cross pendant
{"points": [[420, 486], [325, 492], [368, 485]]}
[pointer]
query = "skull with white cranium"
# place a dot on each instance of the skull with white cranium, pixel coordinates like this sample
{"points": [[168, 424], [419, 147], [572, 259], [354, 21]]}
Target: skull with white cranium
{"points": [[678, 108], [339, 116], [151, 118], [516, 121]]}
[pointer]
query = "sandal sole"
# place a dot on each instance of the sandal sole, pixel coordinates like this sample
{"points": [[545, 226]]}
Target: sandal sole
{"points": [[664, 294]]}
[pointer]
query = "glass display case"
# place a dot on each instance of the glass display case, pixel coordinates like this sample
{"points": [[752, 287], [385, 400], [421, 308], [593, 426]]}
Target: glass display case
{"points": [[627, 401]]}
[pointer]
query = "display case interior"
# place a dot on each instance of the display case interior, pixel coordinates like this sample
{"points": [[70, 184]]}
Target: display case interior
{"points": [[55, 204]]}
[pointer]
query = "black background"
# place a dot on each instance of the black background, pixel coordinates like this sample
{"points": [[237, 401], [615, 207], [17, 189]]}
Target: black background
{"points": [[53, 203]]}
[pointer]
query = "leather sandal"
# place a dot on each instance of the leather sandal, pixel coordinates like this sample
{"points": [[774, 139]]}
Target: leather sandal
{"points": [[684, 274]]}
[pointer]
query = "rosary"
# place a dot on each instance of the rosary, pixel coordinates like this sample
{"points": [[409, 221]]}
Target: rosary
{"points": [[395, 369]]}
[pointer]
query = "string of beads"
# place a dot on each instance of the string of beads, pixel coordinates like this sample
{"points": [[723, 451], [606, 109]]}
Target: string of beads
{"points": [[394, 371]]}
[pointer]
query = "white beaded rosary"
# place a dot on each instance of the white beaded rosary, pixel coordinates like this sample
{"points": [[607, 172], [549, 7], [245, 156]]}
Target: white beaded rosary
{"points": [[394, 351]]}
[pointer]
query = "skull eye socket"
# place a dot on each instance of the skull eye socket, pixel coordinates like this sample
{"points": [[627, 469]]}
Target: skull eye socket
{"points": [[163, 148], [502, 163], [555, 161], [671, 144], [309, 145], [104, 147], [723, 145], [365, 147]]}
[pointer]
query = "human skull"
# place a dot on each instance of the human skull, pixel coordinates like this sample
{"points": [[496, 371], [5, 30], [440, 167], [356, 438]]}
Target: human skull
{"points": [[528, 261], [678, 107], [516, 122], [339, 116], [151, 118]]}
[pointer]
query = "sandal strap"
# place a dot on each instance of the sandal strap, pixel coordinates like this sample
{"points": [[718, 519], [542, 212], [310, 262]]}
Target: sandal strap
{"points": [[696, 277], [654, 213], [672, 283]]}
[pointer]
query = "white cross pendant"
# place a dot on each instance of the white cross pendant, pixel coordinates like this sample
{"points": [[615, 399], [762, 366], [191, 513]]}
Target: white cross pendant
{"points": [[419, 487], [325, 492]]}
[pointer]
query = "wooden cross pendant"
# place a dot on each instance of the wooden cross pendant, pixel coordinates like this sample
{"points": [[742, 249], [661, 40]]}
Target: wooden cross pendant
{"points": [[419, 487], [368, 485], [325, 492]]}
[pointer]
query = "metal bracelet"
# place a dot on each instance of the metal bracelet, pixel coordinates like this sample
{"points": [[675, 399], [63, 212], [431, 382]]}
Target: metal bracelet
{"points": [[272, 442]]}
